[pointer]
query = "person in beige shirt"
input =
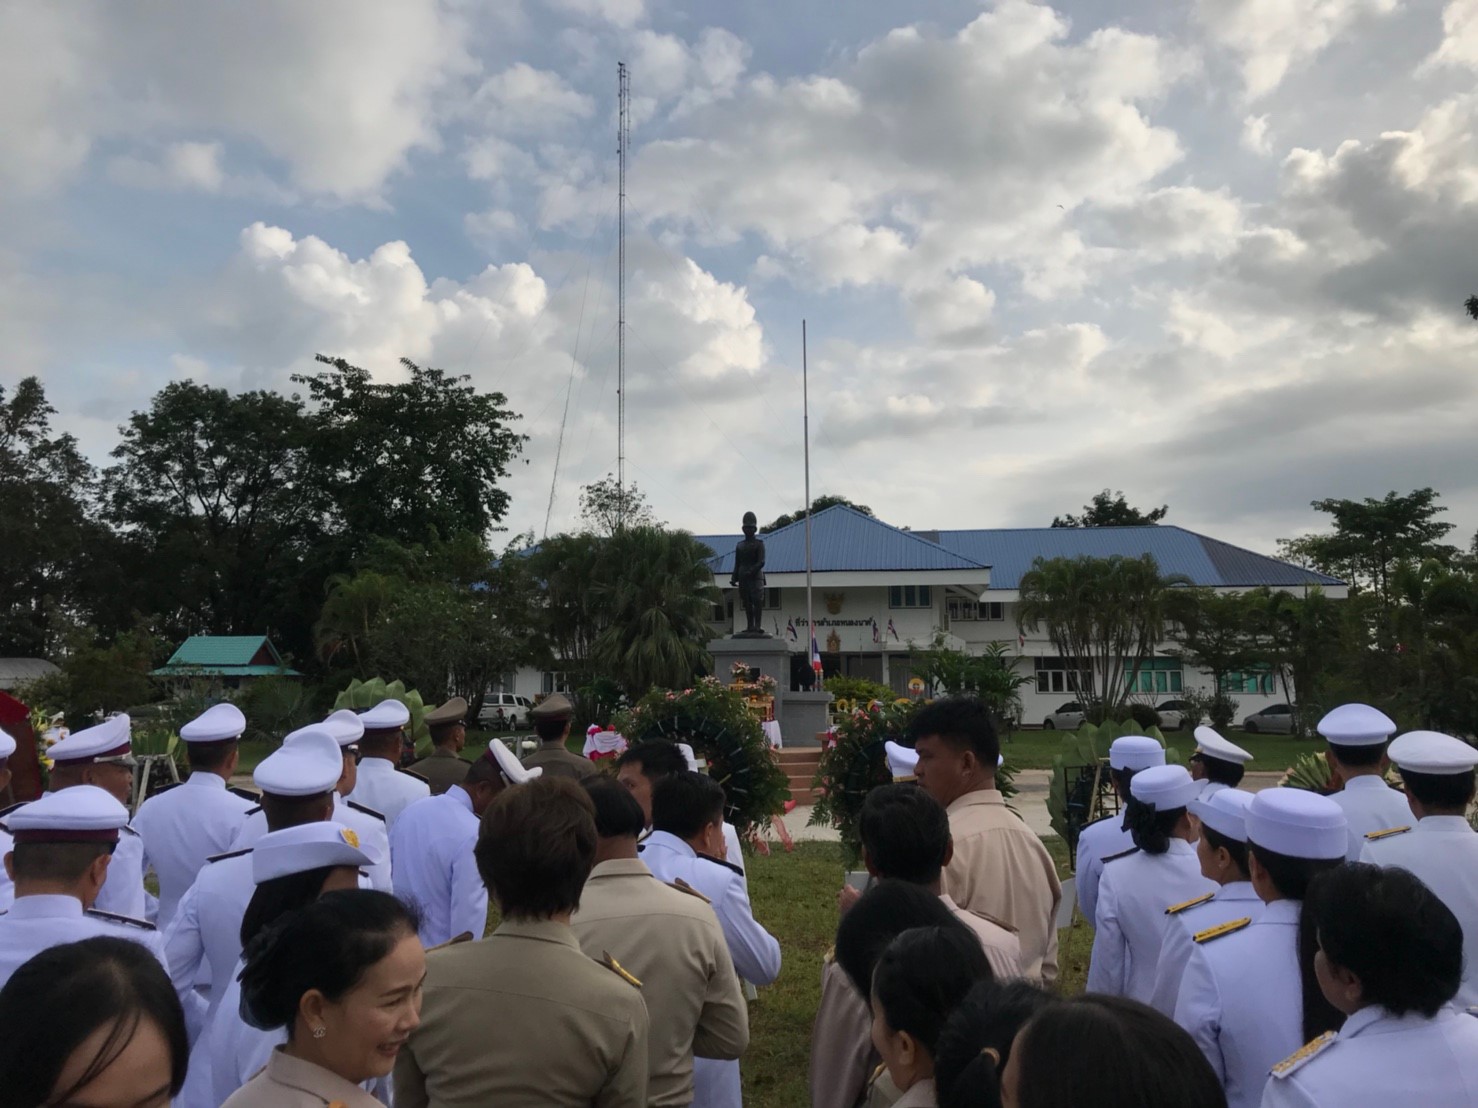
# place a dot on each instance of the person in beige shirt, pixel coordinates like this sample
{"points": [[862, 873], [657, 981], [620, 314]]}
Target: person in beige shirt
{"points": [[524, 1018], [445, 766], [669, 938], [905, 836], [999, 866]]}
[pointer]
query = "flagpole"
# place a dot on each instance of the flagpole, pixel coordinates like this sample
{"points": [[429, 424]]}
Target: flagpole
{"points": [[811, 647]]}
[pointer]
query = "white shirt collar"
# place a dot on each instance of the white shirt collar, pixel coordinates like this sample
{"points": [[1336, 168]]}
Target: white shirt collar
{"points": [[376, 766], [1366, 781], [668, 841], [1444, 825], [45, 906], [205, 779], [459, 794]]}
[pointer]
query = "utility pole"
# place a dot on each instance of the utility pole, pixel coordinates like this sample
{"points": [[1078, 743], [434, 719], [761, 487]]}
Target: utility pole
{"points": [[623, 140]]}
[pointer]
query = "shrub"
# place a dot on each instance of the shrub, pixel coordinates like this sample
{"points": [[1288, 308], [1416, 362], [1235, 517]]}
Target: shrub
{"points": [[1223, 711], [1144, 715]]}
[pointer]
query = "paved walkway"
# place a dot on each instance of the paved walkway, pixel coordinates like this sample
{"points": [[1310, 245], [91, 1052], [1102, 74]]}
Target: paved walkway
{"points": [[1030, 802]]}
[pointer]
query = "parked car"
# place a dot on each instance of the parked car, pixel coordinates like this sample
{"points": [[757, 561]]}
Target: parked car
{"points": [[1069, 717], [1175, 715], [1275, 718], [515, 710]]}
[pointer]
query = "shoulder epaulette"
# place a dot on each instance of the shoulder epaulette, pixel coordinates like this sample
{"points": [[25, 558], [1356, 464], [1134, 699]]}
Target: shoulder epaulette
{"points": [[1309, 1050], [1121, 854], [228, 854], [418, 776], [1371, 836], [1473, 1011], [1222, 929], [358, 807], [1176, 909], [616, 968], [253, 811], [455, 940], [113, 917], [1096, 822], [831, 956], [683, 887], [162, 789], [129, 829], [882, 1069], [246, 794], [1002, 924], [722, 862]]}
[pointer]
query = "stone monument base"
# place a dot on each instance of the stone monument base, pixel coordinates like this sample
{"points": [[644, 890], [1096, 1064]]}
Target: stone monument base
{"points": [[800, 714]]}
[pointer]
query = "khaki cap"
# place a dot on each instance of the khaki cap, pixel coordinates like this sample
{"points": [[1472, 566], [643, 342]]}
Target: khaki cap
{"points": [[453, 711], [554, 706]]}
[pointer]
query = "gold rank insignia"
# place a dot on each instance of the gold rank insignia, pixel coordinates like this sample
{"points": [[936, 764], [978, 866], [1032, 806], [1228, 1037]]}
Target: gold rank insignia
{"points": [[1221, 929], [1303, 1054], [1176, 909], [683, 887], [1371, 836], [616, 968]]}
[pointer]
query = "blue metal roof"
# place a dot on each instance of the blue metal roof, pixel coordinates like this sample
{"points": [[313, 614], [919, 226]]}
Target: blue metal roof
{"points": [[1205, 561], [844, 540]]}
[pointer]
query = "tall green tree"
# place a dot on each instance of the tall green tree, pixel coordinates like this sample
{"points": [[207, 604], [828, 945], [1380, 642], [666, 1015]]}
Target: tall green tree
{"points": [[820, 504], [1109, 509], [405, 460], [1214, 632], [49, 530], [606, 507], [1106, 613]]}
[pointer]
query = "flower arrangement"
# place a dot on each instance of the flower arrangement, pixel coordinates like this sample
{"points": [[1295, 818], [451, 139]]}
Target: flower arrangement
{"points": [[719, 726], [739, 670]]}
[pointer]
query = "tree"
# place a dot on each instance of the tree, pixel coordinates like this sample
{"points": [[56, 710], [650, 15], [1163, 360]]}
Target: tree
{"points": [[991, 676], [409, 459], [1214, 633], [657, 592], [1472, 306], [820, 504], [97, 678], [1110, 509], [1108, 614], [573, 616], [1371, 536], [606, 507], [351, 611]]}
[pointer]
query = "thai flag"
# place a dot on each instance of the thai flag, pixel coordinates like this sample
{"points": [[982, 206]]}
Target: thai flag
{"points": [[892, 630], [815, 655], [1020, 641], [790, 629], [877, 636]]}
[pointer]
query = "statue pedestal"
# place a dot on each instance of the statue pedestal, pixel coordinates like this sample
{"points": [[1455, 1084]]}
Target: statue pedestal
{"points": [[800, 714]]}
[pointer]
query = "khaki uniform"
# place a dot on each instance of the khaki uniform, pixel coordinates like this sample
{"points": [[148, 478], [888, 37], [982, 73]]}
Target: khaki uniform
{"points": [[671, 941], [290, 1082], [1001, 868], [556, 761], [523, 1019], [442, 769]]}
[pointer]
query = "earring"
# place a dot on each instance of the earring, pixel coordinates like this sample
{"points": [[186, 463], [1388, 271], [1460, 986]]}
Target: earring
{"points": [[320, 1032]]}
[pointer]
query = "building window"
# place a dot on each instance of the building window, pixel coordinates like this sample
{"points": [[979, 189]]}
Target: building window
{"points": [[1249, 684], [723, 613], [772, 600], [910, 596], [1156, 675], [554, 681], [1057, 675], [963, 610]]}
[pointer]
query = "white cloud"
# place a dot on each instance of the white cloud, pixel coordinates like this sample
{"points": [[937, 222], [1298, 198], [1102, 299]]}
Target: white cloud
{"points": [[621, 13], [181, 165], [1255, 134], [1459, 35], [525, 100]]}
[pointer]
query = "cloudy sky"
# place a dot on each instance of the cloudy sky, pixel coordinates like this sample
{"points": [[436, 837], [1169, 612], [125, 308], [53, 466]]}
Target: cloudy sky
{"points": [[1213, 253]]}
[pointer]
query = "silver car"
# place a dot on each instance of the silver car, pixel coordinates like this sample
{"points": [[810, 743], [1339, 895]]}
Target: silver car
{"points": [[1067, 718], [1275, 719]]}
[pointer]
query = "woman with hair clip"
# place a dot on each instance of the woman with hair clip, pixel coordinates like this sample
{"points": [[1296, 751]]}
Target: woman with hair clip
{"points": [[93, 1023], [1136, 889], [343, 977], [1389, 959], [291, 869], [976, 1041]]}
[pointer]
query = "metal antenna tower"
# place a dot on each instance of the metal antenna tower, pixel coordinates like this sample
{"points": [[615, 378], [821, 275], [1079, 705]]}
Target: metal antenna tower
{"points": [[623, 140]]}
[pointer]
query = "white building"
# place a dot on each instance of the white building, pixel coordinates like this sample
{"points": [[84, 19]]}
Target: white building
{"points": [[879, 592]]}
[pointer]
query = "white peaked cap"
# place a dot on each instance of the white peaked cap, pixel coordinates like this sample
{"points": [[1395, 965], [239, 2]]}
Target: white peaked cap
{"points": [[109, 739], [1164, 787], [345, 726], [308, 846], [81, 813], [307, 763], [513, 771], [1297, 823], [1224, 811], [1432, 752], [217, 724], [1135, 752], [903, 761], [1211, 744], [1356, 725], [7, 745], [387, 715]]}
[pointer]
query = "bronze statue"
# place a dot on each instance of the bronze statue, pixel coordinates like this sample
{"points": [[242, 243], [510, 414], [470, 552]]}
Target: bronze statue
{"points": [[749, 577]]}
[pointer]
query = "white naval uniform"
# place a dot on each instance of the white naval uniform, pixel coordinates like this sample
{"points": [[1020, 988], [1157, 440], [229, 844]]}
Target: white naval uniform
{"points": [[183, 825], [123, 892], [1443, 852], [1234, 900], [1101, 839], [368, 825], [435, 868], [7, 886], [37, 923], [206, 929], [1241, 999], [1369, 805], [1379, 1059], [383, 788], [1132, 897], [1210, 788], [755, 951]]}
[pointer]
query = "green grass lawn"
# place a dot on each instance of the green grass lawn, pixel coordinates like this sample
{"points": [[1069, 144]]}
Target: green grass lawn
{"points": [[1034, 749]]}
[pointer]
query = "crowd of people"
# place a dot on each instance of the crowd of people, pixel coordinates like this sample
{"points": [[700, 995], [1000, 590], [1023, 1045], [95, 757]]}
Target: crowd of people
{"points": [[322, 943]]}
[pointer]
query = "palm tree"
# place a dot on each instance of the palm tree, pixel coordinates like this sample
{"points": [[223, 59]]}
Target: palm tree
{"points": [[349, 613], [657, 591]]}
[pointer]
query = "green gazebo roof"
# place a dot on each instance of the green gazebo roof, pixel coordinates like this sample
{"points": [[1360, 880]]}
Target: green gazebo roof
{"points": [[226, 656]]}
